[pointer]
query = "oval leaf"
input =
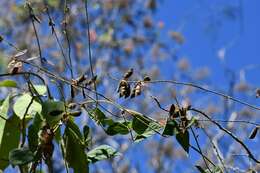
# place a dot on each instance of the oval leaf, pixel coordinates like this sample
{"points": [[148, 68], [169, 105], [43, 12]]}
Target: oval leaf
{"points": [[23, 102], [102, 152], [20, 156]]}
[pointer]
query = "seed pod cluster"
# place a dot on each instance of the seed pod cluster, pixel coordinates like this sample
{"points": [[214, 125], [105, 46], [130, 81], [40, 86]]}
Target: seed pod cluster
{"points": [[124, 88], [83, 80]]}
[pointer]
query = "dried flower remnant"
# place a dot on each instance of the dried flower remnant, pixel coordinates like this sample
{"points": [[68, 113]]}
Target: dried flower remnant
{"points": [[147, 22], [177, 36], [183, 64], [92, 35], [242, 87], [15, 66]]}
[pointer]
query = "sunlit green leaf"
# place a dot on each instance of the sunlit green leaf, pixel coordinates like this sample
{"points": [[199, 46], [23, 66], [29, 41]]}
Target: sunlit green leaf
{"points": [[41, 89], [101, 152], [9, 140], [8, 83], [22, 104]]}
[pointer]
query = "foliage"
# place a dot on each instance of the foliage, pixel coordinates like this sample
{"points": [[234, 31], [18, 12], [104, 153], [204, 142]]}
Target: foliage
{"points": [[83, 111]]}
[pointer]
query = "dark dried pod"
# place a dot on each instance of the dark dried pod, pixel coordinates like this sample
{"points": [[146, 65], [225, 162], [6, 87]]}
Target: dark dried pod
{"points": [[81, 78], [1, 38], [128, 73], [92, 80], [257, 93], [172, 110], [147, 79], [253, 133]]}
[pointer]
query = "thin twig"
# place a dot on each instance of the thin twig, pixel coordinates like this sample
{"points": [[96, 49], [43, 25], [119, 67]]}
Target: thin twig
{"points": [[250, 155], [201, 88], [216, 149], [89, 50], [198, 145]]}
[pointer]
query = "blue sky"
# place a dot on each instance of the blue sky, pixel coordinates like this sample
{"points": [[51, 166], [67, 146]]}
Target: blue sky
{"points": [[240, 37]]}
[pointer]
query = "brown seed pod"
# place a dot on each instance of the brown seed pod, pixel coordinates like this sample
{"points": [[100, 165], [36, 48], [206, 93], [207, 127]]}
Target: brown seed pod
{"points": [[137, 89], [128, 74], [124, 88]]}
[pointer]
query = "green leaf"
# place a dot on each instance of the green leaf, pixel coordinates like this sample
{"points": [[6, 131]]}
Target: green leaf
{"points": [[33, 130], [8, 83], [41, 89], [10, 139], [20, 156], [140, 124], [192, 121], [101, 152], [171, 128], [183, 139], [109, 125], [87, 134], [75, 130], [3, 113], [151, 130], [117, 128], [52, 111], [75, 151], [23, 102], [97, 115]]}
